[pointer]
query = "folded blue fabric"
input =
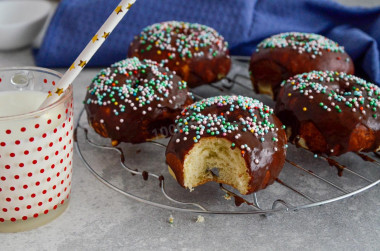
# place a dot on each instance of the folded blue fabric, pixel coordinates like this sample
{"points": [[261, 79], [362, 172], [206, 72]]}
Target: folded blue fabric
{"points": [[243, 23]]}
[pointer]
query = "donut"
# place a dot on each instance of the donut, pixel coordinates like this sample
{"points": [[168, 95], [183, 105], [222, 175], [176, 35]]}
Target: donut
{"points": [[330, 112], [282, 56], [195, 52], [133, 100], [233, 140]]}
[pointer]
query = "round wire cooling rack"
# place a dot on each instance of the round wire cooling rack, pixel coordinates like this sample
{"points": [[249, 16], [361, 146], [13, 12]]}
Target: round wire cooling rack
{"points": [[139, 172]]}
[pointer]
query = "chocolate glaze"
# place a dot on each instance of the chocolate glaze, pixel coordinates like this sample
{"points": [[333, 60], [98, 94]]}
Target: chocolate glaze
{"points": [[264, 160], [329, 122], [139, 124], [207, 63], [273, 65]]}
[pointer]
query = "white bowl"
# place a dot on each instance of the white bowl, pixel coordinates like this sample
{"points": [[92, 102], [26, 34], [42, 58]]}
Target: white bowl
{"points": [[20, 22]]}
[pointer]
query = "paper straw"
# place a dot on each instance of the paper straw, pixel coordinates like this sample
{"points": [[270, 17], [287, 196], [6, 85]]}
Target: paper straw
{"points": [[91, 48]]}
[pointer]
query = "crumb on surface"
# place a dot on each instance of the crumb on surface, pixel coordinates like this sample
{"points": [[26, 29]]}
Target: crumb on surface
{"points": [[227, 196], [171, 219], [200, 219]]}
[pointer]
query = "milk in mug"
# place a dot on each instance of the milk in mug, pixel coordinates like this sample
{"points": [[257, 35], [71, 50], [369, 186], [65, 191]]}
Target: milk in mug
{"points": [[36, 150]]}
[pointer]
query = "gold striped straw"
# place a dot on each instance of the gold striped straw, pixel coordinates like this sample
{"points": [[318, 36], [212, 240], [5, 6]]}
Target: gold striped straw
{"points": [[91, 48]]}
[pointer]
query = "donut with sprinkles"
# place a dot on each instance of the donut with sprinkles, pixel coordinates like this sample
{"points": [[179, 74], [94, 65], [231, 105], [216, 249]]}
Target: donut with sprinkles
{"points": [[133, 101], [195, 52], [330, 112], [284, 55], [233, 140]]}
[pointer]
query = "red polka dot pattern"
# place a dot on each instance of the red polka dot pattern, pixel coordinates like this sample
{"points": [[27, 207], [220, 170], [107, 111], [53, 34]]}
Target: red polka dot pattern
{"points": [[36, 166]]}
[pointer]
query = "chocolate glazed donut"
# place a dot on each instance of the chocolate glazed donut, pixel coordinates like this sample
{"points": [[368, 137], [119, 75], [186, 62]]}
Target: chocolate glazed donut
{"points": [[284, 55], [195, 52], [233, 140], [330, 113], [132, 100]]}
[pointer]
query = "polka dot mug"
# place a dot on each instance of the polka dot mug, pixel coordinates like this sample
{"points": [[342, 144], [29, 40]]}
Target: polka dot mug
{"points": [[36, 147]]}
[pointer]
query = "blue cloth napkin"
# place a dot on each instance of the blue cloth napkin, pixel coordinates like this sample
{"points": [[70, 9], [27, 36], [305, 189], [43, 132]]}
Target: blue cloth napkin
{"points": [[243, 23]]}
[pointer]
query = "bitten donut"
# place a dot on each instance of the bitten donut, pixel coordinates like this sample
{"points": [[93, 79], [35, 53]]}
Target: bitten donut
{"points": [[132, 100], [237, 136], [284, 55], [195, 52], [330, 113]]}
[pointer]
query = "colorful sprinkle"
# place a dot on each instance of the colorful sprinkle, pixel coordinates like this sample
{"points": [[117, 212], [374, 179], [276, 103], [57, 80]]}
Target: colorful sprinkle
{"points": [[311, 43], [196, 120], [181, 40], [363, 97], [137, 91]]}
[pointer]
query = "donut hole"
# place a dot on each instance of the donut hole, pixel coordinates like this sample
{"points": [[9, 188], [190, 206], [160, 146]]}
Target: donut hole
{"points": [[212, 159]]}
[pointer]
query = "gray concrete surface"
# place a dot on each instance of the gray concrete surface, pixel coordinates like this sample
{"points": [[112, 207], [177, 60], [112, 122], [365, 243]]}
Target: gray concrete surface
{"points": [[99, 218]]}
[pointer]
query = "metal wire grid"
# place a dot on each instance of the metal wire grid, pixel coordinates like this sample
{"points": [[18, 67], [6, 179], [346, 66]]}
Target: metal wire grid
{"points": [[253, 204]]}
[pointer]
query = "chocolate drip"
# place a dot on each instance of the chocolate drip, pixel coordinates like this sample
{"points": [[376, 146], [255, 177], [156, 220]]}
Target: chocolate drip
{"points": [[161, 178], [365, 157], [75, 135], [136, 170], [145, 175], [338, 166]]}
